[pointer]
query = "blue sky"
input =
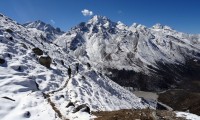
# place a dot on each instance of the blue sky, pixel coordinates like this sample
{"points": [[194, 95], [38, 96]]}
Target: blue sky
{"points": [[182, 15]]}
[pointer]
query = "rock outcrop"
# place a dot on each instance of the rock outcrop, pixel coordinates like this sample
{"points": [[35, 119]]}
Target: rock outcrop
{"points": [[45, 61]]}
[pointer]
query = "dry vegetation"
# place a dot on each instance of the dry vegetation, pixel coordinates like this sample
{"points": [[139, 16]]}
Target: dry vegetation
{"points": [[145, 114]]}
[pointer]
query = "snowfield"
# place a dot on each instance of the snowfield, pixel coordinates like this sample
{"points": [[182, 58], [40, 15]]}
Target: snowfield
{"points": [[188, 116], [31, 90]]}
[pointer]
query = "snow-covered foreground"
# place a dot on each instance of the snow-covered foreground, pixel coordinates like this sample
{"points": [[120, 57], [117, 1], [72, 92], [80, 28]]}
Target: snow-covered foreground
{"points": [[188, 116], [30, 90]]}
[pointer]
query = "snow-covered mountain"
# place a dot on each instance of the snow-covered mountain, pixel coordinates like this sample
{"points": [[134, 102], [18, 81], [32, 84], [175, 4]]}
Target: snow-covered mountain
{"points": [[34, 80], [51, 32], [135, 56]]}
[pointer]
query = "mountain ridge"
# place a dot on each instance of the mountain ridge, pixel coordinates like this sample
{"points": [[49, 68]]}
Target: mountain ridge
{"points": [[51, 32], [136, 47]]}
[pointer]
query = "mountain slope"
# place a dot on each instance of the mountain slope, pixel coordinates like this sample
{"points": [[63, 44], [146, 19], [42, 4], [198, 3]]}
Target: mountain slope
{"points": [[28, 89], [143, 58]]}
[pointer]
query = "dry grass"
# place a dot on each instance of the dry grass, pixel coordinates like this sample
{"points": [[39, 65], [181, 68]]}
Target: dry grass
{"points": [[144, 114]]}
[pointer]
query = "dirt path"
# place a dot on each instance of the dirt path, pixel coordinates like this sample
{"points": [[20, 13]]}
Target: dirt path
{"points": [[65, 85], [47, 96]]}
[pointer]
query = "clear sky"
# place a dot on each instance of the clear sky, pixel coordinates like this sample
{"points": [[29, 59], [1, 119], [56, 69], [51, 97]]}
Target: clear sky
{"points": [[182, 15]]}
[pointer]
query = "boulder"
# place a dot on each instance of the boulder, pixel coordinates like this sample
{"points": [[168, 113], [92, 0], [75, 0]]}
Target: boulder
{"points": [[70, 104], [9, 55], [24, 46], [45, 61], [82, 108], [86, 109], [9, 30], [2, 61], [27, 114], [10, 38], [83, 77], [88, 66], [37, 51]]}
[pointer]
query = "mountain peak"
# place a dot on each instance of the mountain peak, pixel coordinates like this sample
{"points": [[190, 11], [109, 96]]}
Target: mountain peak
{"points": [[136, 26], [99, 20], [121, 25], [40, 25], [39, 22], [99, 17], [160, 26]]}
